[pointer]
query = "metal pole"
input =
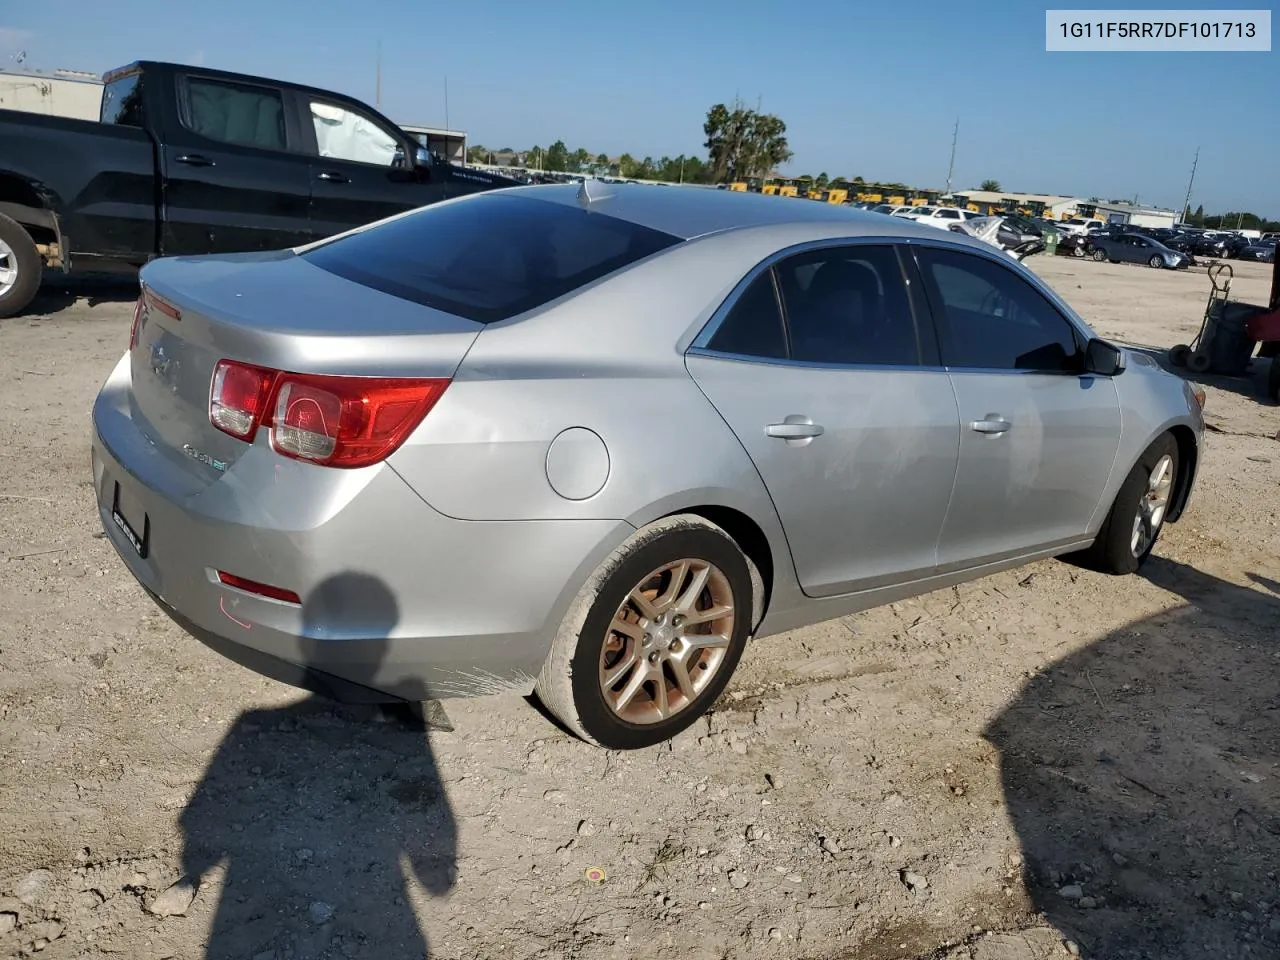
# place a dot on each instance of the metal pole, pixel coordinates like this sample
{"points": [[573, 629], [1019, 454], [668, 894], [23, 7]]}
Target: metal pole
{"points": [[1186, 203], [952, 165]]}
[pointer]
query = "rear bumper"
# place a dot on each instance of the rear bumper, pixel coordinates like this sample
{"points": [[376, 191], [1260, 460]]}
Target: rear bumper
{"points": [[398, 602]]}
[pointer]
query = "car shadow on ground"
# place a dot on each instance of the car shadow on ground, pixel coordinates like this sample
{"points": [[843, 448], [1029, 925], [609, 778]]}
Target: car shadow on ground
{"points": [[1142, 776], [321, 830], [59, 292], [1252, 384]]}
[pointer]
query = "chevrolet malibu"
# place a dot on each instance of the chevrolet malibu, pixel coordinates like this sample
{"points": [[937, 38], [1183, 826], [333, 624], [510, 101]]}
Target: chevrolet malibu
{"points": [[588, 440]]}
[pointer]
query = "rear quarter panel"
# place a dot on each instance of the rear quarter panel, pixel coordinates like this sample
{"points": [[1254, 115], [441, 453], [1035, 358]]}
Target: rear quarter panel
{"points": [[98, 178], [611, 360]]}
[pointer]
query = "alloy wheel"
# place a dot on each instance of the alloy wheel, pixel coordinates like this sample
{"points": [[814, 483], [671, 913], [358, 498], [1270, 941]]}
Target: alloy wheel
{"points": [[667, 641], [8, 268], [1152, 506]]}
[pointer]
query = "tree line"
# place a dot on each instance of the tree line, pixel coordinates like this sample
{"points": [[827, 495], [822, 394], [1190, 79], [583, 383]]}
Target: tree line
{"points": [[1231, 220]]}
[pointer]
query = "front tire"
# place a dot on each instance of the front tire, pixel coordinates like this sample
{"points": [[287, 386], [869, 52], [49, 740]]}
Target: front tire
{"points": [[1156, 261], [1099, 255], [1137, 516], [653, 636], [20, 267]]}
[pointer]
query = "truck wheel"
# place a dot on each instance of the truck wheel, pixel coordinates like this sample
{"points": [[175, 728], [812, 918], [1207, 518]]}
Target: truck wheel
{"points": [[1179, 355], [653, 636], [20, 267], [1199, 362]]}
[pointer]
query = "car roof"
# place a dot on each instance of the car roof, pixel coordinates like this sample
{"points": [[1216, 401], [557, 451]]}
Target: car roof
{"points": [[689, 212]]}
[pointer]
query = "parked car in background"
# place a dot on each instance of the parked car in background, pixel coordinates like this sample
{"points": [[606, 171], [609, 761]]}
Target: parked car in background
{"points": [[412, 462], [1081, 224], [1135, 248], [1264, 250], [943, 217], [187, 160]]}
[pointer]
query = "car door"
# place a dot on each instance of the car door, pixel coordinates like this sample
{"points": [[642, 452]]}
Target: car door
{"points": [[819, 367], [234, 174], [362, 168], [1038, 436]]}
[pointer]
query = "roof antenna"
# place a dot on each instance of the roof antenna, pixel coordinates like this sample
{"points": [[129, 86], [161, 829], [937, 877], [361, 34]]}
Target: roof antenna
{"points": [[593, 191]]}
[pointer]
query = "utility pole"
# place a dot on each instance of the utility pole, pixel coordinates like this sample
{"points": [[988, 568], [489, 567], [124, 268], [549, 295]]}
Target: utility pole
{"points": [[952, 165], [377, 93], [1186, 203]]}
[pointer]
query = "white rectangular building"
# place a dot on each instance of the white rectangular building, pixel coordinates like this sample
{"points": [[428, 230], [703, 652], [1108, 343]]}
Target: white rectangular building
{"points": [[62, 93]]}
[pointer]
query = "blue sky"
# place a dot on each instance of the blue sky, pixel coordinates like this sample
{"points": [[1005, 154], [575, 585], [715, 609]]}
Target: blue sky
{"points": [[869, 90]]}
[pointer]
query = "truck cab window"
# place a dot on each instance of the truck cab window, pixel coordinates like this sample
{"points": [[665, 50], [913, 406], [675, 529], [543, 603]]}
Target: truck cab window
{"points": [[236, 113], [343, 134], [122, 101]]}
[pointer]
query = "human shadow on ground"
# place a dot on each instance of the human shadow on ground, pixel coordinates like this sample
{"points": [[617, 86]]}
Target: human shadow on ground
{"points": [[1142, 775], [325, 819]]}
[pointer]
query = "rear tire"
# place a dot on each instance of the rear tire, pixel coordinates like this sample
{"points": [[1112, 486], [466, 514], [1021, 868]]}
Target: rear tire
{"points": [[585, 678], [20, 267], [1178, 355], [1137, 516], [1199, 362]]}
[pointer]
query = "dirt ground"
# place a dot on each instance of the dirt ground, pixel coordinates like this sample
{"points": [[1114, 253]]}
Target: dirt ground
{"points": [[1041, 762]]}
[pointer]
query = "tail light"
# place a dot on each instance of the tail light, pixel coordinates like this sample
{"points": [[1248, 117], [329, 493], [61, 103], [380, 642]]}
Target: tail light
{"points": [[334, 421]]}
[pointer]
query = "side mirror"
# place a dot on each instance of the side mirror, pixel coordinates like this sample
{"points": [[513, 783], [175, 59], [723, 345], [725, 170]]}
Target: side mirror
{"points": [[422, 157], [1103, 358]]}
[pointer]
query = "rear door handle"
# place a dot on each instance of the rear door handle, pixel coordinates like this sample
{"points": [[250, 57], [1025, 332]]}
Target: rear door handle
{"points": [[993, 423], [195, 160], [332, 177], [795, 428]]}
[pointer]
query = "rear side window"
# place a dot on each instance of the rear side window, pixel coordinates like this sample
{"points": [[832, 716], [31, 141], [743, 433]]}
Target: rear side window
{"points": [[490, 257], [122, 101], [251, 116], [753, 328]]}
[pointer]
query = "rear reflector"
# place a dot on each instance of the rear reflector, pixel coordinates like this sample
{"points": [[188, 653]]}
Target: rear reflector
{"points": [[329, 420], [261, 589]]}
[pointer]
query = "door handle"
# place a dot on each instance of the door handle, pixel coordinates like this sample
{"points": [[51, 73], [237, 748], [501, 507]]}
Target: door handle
{"points": [[195, 160], [332, 177], [795, 428], [992, 424]]}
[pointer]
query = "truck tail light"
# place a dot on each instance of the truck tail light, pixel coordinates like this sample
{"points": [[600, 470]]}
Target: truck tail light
{"points": [[329, 420]]}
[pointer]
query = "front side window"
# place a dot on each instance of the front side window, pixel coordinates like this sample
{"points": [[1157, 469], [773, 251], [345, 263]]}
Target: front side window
{"points": [[994, 319], [343, 134], [250, 116], [949, 214], [488, 257], [848, 305]]}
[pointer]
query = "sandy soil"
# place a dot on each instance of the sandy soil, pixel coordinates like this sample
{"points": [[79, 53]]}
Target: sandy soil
{"points": [[1044, 756]]}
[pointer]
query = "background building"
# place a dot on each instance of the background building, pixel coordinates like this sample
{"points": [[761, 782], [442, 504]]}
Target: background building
{"points": [[62, 93], [450, 144]]}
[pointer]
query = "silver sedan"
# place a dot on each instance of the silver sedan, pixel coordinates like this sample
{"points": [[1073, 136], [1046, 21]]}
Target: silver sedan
{"points": [[590, 440]]}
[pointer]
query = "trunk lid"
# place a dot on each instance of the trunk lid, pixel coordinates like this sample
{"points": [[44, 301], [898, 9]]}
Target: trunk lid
{"points": [[273, 310]]}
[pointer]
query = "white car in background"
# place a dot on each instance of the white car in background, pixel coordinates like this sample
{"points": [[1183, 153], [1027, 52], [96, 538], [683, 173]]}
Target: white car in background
{"points": [[944, 217]]}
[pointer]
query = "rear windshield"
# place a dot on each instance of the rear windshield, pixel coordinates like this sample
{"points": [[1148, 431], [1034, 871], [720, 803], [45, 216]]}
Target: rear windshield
{"points": [[489, 257]]}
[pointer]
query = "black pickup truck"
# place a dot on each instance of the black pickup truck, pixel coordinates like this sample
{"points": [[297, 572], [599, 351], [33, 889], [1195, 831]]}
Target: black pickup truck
{"points": [[186, 160]]}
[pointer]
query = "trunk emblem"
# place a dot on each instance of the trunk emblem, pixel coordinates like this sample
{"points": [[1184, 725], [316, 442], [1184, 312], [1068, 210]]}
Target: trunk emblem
{"points": [[202, 457], [164, 366]]}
